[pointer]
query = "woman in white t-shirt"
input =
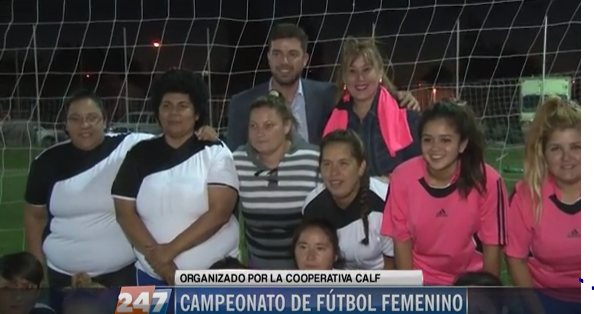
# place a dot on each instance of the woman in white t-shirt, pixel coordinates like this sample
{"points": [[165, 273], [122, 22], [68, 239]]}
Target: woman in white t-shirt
{"points": [[69, 218], [175, 194]]}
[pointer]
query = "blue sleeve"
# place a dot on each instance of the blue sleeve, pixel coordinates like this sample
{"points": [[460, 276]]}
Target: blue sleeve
{"points": [[414, 149]]}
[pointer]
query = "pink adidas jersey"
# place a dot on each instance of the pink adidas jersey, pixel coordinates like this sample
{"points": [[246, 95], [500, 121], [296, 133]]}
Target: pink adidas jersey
{"points": [[447, 231], [552, 245]]}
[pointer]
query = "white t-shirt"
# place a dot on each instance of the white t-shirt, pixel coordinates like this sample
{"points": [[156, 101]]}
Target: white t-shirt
{"points": [[82, 234], [170, 188]]}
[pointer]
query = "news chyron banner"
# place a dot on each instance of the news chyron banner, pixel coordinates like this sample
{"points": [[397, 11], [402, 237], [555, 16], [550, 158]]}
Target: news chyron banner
{"points": [[337, 291]]}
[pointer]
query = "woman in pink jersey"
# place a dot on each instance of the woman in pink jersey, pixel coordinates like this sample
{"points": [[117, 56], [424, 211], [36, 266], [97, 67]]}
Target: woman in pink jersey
{"points": [[446, 209], [544, 248]]}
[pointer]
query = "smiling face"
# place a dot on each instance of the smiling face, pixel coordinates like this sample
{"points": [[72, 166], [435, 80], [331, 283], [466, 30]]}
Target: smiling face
{"points": [[341, 171], [362, 78], [85, 123], [441, 145], [563, 153], [286, 60]]}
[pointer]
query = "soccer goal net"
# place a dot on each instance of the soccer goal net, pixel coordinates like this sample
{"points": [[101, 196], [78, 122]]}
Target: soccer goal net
{"points": [[499, 56]]}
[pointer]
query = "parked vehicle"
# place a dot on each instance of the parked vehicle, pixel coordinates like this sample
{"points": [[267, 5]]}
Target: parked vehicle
{"points": [[533, 90], [27, 132], [141, 121], [47, 136]]}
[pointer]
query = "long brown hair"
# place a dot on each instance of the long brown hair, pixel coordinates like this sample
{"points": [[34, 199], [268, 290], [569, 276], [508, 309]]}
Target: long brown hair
{"points": [[472, 164], [366, 48], [554, 114]]}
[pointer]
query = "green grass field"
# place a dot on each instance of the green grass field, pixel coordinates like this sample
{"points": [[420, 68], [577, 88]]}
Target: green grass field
{"points": [[14, 165]]}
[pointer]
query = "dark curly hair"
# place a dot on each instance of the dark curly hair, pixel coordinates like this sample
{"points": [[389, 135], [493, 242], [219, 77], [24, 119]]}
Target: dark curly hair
{"points": [[185, 82]]}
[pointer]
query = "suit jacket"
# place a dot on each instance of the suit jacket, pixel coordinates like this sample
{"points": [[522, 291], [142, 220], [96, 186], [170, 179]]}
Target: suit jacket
{"points": [[319, 102]]}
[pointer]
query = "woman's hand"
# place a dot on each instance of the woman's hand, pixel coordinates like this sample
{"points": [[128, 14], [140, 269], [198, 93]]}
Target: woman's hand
{"points": [[84, 281], [408, 101], [207, 133], [167, 273], [160, 256]]}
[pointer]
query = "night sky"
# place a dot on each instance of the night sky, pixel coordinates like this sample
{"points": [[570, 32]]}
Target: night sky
{"points": [[418, 36]]}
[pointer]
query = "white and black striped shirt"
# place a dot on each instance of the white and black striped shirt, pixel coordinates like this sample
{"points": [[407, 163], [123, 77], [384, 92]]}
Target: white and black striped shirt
{"points": [[271, 201]]}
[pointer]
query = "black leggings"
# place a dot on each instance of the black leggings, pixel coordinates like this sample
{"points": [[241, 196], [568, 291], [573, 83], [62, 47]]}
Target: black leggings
{"points": [[58, 281]]}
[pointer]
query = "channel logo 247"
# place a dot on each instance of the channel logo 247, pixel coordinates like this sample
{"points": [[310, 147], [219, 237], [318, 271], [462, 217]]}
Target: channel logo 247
{"points": [[143, 300]]}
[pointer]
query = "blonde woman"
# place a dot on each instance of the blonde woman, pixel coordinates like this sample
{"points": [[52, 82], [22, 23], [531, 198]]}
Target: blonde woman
{"points": [[369, 105], [544, 248]]}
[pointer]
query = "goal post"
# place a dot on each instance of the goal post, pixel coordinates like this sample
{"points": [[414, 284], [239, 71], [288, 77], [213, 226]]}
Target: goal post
{"points": [[477, 51]]}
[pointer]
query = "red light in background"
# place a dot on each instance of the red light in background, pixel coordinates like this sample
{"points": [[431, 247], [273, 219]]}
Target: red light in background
{"points": [[87, 76], [156, 44]]}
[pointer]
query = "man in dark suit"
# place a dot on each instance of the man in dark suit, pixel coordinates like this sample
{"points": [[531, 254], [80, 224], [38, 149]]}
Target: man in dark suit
{"points": [[310, 101]]}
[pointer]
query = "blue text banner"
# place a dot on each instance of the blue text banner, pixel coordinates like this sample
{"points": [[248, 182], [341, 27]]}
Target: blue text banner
{"points": [[320, 300]]}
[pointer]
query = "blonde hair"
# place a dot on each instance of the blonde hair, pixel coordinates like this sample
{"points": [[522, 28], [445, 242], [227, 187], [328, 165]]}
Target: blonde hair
{"points": [[366, 48], [554, 114]]}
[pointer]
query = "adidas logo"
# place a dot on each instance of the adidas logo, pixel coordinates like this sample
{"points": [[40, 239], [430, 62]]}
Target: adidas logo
{"points": [[441, 213], [574, 234]]}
